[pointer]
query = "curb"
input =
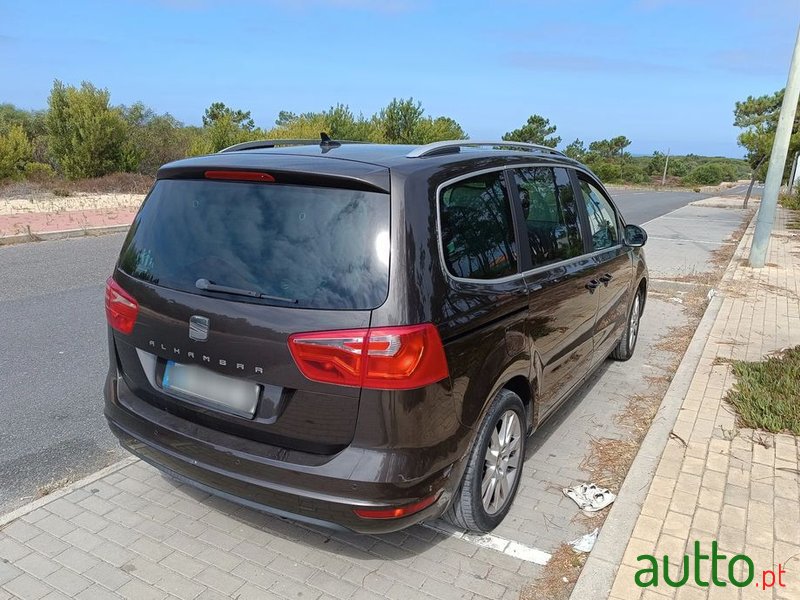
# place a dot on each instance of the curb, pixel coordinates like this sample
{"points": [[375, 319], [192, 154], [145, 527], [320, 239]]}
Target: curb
{"points": [[598, 574], [39, 502], [61, 234]]}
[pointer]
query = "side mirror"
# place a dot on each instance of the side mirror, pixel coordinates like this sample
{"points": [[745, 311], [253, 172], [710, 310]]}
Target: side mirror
{"points": [[635, 236]]}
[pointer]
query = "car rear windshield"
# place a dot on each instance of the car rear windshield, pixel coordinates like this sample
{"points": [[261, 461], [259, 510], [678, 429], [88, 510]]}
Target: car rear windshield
{"points": [[313, 247]]}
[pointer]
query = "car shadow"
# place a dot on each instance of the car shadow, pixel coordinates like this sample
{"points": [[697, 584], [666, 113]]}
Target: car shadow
{"points": [[258, 527], [542, 433]]}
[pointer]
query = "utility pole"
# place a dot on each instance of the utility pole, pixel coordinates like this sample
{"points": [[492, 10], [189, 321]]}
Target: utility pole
{"points": [[777, 161], [793, 172], [666, 164]]}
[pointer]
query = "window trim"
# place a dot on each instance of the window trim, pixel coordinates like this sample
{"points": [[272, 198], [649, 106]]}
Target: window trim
{"points": [[575, 172], [522, 232], [514, 224], [604, 193]]}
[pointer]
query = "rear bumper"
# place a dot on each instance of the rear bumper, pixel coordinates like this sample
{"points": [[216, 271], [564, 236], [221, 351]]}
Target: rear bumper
{"points": [[325, 491]]}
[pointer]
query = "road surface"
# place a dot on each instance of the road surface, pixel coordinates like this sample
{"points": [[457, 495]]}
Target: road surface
{"points": [[53, 354], [640, 206]]}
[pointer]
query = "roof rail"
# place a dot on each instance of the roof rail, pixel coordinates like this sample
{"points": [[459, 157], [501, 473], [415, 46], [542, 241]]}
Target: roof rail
{"points": [[455, 145], [268, 144], [325, 142]]}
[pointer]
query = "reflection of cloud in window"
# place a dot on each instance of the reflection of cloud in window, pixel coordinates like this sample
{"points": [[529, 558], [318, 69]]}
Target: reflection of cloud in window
{"points": [[314, 244]]}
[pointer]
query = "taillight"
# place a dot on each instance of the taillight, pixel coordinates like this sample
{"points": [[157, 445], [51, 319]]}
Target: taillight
{"points": [[121, 307], [388, 358], [240, 176], [396, 512]]}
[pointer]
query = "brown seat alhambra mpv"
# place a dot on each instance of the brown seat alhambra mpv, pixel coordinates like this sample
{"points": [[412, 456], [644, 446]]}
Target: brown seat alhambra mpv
{"points": [[361, 335]]}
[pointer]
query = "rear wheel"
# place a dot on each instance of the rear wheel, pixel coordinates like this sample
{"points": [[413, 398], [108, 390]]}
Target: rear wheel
{"points": [[494, 469], [627, 344]]}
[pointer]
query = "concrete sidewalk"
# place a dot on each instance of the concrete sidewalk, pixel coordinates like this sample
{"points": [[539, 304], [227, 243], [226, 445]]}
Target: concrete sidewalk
{"points": [[715, 482], [25, 227]]}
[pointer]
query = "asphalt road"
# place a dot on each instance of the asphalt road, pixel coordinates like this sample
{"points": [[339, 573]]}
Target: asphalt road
{"points": [[741, 190], [640, 206], [53, 354]]}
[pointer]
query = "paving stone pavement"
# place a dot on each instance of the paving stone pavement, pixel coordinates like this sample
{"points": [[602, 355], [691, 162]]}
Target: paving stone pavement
{"points": [[135, 534], [715, 482]]}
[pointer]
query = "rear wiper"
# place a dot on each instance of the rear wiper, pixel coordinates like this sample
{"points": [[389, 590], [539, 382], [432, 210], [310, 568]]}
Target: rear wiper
{"points": [[206, 285]]}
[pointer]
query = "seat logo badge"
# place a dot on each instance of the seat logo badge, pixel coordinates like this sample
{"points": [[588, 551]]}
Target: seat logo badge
{"points": [[198, 328]]}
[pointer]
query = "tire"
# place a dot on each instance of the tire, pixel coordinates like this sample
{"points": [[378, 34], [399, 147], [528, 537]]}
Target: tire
{"points": [[627, 344], [468, 509]]}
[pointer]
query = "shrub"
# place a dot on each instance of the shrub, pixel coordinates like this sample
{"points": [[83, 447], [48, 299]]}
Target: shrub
{"points": [[608, 172], [15, 152], [87, 136], [712, 173], [633, 173], [39, 172], [791, 201]]}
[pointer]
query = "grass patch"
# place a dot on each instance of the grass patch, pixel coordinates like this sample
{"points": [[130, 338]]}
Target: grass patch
{"points": [[766, 394], [115, 183], [559, 576], [790, 201]]}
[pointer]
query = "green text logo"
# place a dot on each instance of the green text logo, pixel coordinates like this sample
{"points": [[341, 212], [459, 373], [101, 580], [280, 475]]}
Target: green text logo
{"points": [[721, 565]]}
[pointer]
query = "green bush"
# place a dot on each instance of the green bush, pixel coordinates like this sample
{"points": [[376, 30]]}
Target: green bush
{"points": [[40, 172], [87, 136], [633, 173], [712, 173], [791, 201], [15, 152], [608, 172]]}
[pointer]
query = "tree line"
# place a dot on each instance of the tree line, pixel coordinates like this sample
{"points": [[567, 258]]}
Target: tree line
{"points": [[81, 134], [612, 163]]}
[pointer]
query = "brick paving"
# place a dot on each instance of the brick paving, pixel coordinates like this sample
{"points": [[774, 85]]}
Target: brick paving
{"points": [[717, 482], [134, 534], [46, 222]]}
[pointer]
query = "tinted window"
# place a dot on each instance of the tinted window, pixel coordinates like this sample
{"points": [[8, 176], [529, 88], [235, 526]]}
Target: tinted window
{"points": [[602, 219], [551, 214], [477, 230], [324, 247]]}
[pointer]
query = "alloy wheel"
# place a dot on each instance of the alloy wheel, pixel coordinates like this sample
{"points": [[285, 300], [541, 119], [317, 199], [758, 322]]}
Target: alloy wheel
{"points": [[501, 463]]}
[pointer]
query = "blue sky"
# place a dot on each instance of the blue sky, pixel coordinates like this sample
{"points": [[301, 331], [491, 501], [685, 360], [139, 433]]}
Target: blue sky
{"points": [[666, 73]]}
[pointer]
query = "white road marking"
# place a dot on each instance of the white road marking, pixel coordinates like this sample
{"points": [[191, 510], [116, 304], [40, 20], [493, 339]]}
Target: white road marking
{"points": [[705, 220], [668, 239], [664, 215], [493, 542]]}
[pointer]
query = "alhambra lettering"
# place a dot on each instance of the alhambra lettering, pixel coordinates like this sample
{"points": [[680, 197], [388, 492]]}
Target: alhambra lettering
{"points": [[222, 362]]}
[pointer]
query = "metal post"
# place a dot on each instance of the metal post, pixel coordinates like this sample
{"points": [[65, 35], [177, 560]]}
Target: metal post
{"points": [[666, 164], [777, 161]]}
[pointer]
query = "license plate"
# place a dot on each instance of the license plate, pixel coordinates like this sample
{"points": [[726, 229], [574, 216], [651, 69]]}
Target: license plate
{"points": [[204, 387]]}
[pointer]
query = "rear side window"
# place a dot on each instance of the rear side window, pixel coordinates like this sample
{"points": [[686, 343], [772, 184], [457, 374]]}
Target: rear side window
{"points": [[314, 247], [477, 230], [551, 214]]}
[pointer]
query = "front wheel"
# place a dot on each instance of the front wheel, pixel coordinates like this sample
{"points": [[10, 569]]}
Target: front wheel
{"points": [[627, 344], [492, 475]]}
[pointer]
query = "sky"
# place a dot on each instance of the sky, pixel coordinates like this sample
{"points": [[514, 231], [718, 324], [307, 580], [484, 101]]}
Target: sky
{"points": [[664, 73]]}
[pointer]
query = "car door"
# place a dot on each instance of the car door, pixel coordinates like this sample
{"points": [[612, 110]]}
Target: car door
{"points": [[561, 310], [483, 310], [611, 266]]}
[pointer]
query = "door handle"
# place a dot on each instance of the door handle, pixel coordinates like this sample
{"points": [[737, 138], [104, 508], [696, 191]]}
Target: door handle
{"points": [[605, 278], [592, 285]]}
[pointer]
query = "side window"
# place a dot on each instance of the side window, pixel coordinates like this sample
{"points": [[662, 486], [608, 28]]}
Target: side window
{"points": [[551, 214], [602, 218], [477, 230]]}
